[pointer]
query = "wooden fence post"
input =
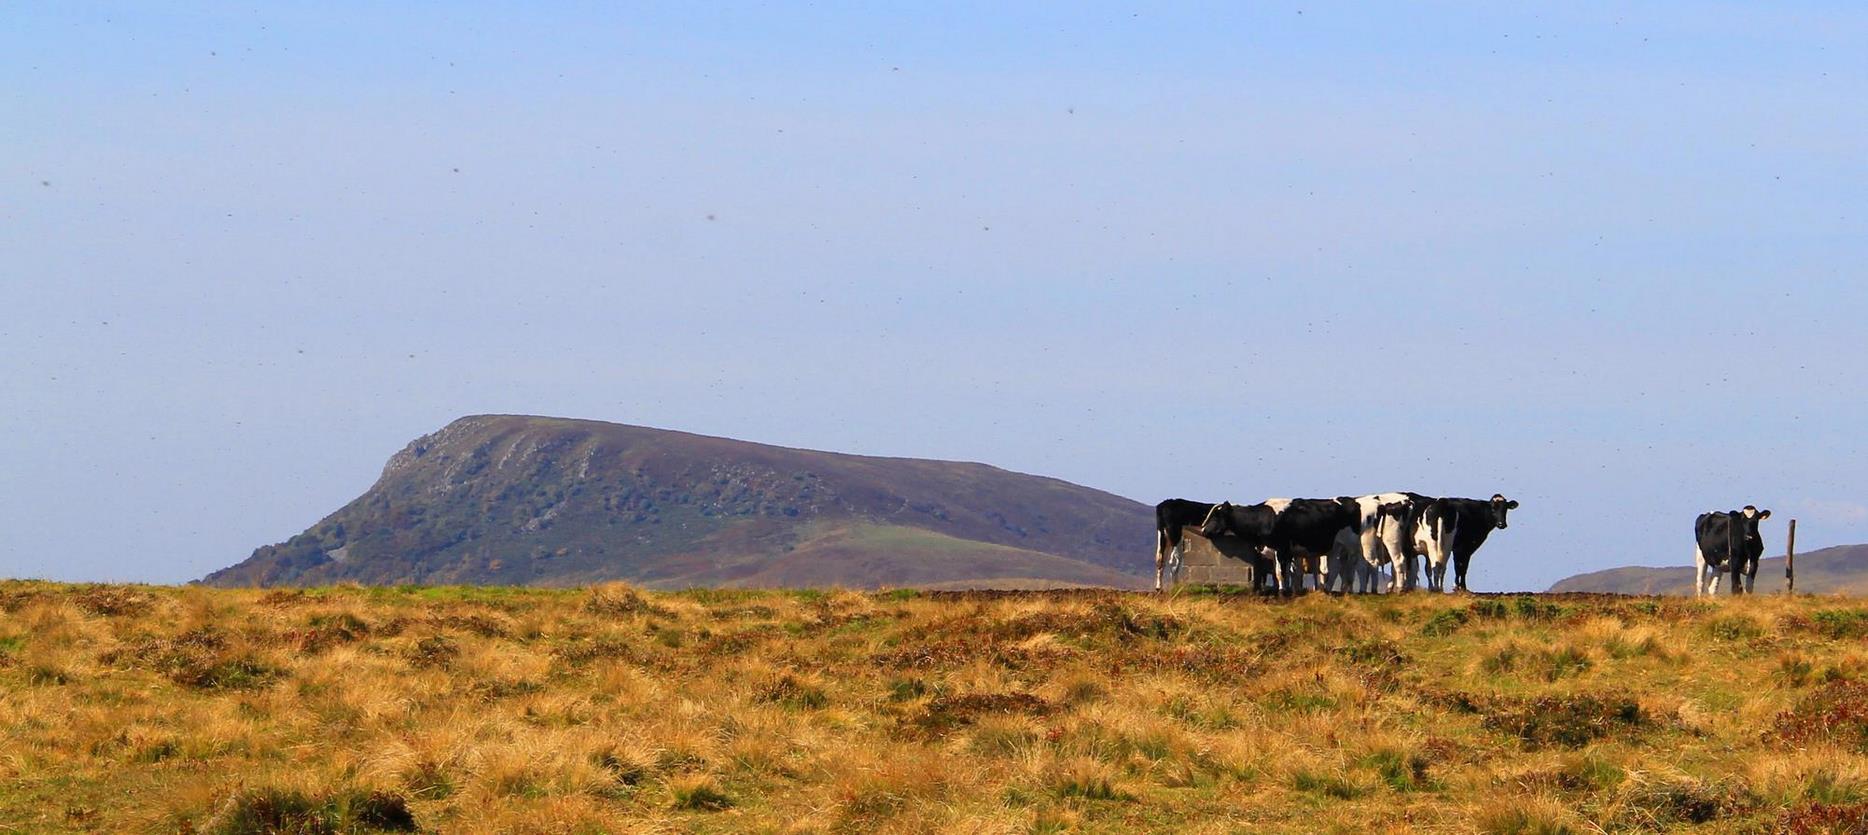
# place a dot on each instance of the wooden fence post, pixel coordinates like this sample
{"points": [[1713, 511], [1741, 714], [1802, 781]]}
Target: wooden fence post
{"points": [[1790, 560]]}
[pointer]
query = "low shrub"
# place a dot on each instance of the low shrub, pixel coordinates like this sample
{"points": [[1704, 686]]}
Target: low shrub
{"points": [[267, 811], [1565, 721], [1836, 713]]}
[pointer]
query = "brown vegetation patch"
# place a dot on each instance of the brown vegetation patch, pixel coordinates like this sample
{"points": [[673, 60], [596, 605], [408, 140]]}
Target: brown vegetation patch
{"points": [[326, 631], [113, 601], [1824, 819], [258, 811], [1561, 721], [618, 601], [485, 626], [200, 658], [945, 713], [1665, 803], [792, 691], [434, 651], [1835, 713], [284, 598], [954, 652], [738, 641], [580, 653]]}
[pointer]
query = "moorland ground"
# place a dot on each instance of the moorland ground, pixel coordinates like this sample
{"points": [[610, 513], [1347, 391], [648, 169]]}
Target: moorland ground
{"points": [[611, 709]]}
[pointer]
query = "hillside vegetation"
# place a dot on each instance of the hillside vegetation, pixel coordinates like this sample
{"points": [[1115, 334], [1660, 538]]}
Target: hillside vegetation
{"points": [[520, 500], [614, 709]]}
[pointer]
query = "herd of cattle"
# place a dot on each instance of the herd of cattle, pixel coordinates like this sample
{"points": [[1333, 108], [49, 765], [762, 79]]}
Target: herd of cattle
{"points": [[1346, 543]]}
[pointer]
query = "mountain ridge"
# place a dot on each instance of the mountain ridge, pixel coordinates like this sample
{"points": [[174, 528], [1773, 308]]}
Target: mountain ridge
{"points": [[530, 500]]}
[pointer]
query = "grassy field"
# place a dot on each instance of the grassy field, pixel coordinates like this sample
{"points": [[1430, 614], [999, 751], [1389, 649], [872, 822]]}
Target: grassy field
{"points": [[613, 710]]}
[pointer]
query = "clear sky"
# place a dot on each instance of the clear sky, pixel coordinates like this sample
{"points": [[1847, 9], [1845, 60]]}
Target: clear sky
{"points": [[1608, 260]]}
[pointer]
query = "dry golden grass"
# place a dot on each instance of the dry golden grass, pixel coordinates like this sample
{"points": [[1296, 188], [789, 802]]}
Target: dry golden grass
{"points": [[615, 710]]}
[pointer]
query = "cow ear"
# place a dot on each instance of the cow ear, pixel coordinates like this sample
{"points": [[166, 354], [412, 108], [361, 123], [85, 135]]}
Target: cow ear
{"points": [[1511, 505], [1764, 514]]}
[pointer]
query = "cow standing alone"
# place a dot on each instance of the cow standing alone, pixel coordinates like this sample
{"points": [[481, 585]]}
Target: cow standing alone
{"points": [[1727, 541]]}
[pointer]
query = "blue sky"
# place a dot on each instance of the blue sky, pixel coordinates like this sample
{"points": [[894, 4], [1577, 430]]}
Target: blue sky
{"points": [[1606, 260]]}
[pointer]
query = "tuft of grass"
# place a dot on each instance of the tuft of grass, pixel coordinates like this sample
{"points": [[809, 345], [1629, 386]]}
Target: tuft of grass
{"points": [[698, 793], [791, 691], [268, 811], [1327, 785], [1735, 628], [1402, 772], [1087, 780], [1511, 817], [1562, 663], [1443, 623], [1794, 670]]}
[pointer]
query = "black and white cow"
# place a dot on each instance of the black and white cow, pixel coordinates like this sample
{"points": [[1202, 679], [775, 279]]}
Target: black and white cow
{"points": [[1299, 532], [1727, 541], [1384, 535], [1455, 528], [1170, 517]]}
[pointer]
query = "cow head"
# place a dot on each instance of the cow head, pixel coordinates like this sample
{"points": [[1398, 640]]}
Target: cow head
{"points": [[1500, 507], [1747, 523], [1352, 509], [1215, 523]]}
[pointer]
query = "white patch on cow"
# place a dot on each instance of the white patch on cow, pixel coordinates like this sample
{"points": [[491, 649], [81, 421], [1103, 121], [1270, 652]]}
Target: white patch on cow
{"points": [[1435, 541], [1699, 571], [1382, 540], [1278, 505], [1750, 511]]}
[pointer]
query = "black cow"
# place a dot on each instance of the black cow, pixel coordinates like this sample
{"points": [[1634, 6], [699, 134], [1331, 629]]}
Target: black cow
{"points": [[1170, 517], [1456, 528], [1247, 530], [1727, 541], [1299, 532]]}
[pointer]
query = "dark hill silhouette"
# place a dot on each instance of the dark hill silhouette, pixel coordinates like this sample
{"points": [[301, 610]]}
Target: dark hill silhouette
{"points": [[502, 499]]}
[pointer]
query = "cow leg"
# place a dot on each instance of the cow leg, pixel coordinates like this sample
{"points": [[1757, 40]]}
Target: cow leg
{"points": [[1699, 572], [1737, 567], [1160, 556], [1461, 561]]}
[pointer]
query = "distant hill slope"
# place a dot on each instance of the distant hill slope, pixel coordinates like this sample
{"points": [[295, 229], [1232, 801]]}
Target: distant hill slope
{"points": [[1839, 570], [501, 499]]}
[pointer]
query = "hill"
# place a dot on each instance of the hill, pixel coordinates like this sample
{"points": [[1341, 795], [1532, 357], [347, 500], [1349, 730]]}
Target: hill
{"points": [[493, 710], [517, 500], [1839, 570]]}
